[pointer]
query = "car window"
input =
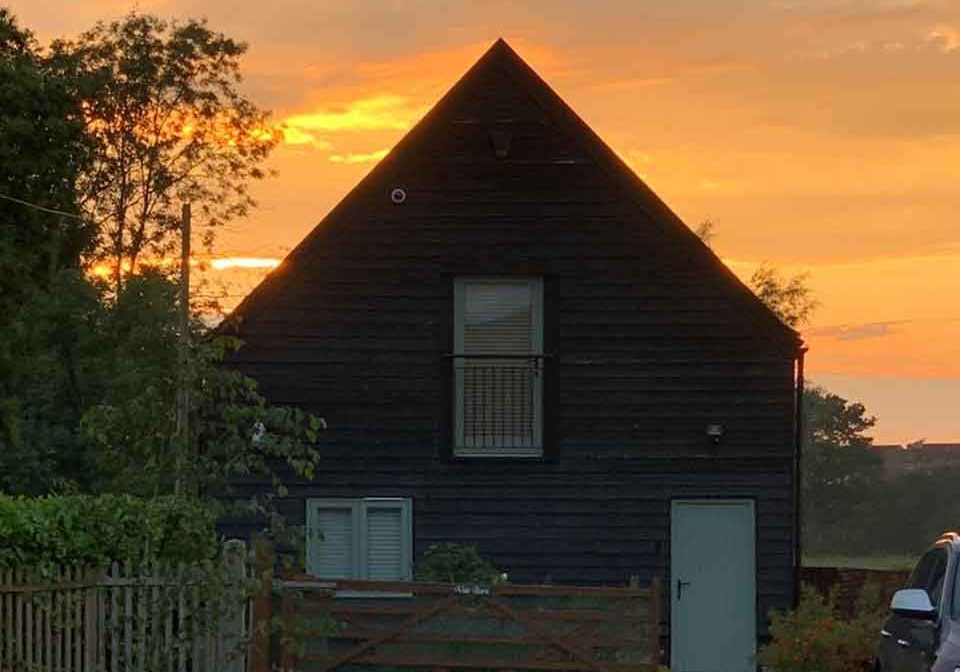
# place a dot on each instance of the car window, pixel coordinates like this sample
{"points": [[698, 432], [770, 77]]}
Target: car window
{"points": [[929, 573], [955, 607]]}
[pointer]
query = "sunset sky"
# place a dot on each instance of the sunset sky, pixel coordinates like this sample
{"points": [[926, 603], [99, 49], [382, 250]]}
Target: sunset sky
{"points": [[821, 136]]}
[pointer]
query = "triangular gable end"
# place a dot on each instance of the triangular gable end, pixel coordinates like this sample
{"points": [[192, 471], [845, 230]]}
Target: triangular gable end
{"points": [[646, 200], [500, 62]]}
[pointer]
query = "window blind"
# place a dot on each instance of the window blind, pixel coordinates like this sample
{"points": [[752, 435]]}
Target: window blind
{"points": [[498, 318], [385, 544], [334, 542]]}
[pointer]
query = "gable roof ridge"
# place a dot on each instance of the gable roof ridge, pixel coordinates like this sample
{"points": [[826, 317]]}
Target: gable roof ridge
{"points": [[330, 226], [662, 216], [501, 54]]}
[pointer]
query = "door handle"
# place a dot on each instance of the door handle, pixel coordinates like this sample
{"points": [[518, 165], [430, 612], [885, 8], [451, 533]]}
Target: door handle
{"points": [[902, 642], [680, 585], [885, 633]]}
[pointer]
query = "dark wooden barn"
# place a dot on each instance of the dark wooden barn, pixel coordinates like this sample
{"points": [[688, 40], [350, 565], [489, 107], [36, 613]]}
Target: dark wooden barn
{"points": [[516, 344]]}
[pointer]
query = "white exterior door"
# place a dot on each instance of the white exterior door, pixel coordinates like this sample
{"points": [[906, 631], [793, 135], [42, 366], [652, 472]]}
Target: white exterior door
{"points": [[713, 586]]}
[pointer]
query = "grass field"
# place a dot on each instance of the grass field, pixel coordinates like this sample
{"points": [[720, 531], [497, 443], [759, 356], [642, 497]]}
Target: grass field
{"points": [[864, 562]]}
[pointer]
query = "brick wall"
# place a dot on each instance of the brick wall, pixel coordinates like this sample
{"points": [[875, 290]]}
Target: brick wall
{"points": [[849, 583]]}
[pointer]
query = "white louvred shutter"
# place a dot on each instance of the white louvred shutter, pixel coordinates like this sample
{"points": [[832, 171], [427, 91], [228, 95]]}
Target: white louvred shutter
{"points": [[333, 545], [499, 318], [385, 542]]}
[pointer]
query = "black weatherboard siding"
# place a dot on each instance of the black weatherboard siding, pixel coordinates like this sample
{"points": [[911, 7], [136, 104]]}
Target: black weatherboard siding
{"points": [[649, 337]]}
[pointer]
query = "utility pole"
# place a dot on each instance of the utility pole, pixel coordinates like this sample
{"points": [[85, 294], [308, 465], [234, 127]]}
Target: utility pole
{"points": [[183, 382]]}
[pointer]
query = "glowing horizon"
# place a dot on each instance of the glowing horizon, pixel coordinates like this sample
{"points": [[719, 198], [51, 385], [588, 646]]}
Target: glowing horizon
{"points": [[106, 269]]}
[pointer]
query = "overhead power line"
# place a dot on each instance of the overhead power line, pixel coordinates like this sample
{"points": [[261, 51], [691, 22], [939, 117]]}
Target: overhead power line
{"points": [[41, 208]]}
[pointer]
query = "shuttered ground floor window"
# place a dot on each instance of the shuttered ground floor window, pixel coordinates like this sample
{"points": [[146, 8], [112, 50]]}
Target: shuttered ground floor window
{"points": [[370, 538]]}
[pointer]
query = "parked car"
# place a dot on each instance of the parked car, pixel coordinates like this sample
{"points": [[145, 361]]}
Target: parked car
{"points": [[923, 630]]}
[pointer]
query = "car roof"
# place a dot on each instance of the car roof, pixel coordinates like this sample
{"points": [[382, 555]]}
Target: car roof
{"points": [[948, 539]]}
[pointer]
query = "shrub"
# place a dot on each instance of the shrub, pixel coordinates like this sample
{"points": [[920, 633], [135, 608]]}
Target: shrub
{"points": [[812, 639], [456, 563], [97, 530]]}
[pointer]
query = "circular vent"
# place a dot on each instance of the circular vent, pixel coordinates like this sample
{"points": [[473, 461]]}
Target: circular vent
{"points": [[398, 195]]}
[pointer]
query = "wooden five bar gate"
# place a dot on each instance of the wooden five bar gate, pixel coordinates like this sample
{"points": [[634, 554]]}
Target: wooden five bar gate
{"points": [[346, 625]]}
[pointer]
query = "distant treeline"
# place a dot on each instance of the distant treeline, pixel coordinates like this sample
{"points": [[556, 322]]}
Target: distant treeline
{"points": [[893, 515]]}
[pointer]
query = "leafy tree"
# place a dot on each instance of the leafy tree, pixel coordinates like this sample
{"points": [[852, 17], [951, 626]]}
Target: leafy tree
{"points": [[707, 231], [168, 124], [96, 399], [53, 365], [121, 125], [907, 511], [841, 471], [789, 298], [233, 430], [42, 150]]}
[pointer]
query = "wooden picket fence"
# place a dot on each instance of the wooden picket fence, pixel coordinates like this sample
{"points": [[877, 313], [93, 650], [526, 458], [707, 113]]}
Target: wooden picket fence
{"points": [[126, 619]]}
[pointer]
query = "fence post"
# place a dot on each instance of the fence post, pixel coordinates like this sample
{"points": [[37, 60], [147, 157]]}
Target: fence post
{"points": [[90, 619], [231, 627], [6, 619], [288, 636], [261, 630]]}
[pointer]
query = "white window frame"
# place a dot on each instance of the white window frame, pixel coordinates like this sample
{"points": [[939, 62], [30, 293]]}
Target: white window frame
{"points": [[459, 307], [358, 507]]}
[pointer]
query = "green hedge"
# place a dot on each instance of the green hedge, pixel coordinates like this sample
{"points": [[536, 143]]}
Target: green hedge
{"points": [[84, 530]]}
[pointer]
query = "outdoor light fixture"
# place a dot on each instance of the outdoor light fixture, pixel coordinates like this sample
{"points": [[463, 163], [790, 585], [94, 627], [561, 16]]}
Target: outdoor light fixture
{"points": [[715, 432]]}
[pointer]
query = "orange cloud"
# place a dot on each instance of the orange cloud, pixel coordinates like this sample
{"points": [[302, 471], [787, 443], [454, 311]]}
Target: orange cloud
{"points": [[945, 38], [377, 112], [871, 321], [369, 103], [369, 157], [297, 136]]}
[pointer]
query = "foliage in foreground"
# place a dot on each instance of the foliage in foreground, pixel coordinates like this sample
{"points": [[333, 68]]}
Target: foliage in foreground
{"points": [[85, 530], [43, 149], [812, 638], [184, 584], [456, 563], [841, 471], [91, 399]]}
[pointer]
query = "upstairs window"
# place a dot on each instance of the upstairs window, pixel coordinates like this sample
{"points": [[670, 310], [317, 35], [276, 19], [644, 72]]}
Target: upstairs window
{"points": [[498, 364], [368, 539]]}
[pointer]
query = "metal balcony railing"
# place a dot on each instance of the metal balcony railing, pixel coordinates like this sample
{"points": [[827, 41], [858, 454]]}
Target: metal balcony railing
{"points": [[498, 401]]}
